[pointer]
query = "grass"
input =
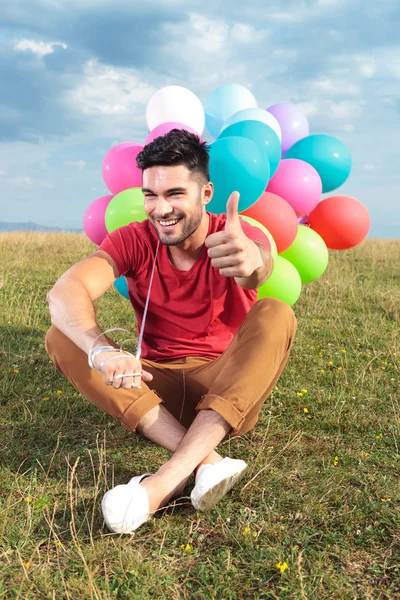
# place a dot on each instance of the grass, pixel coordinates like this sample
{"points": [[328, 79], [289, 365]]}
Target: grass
{"points": [[322, 494]]}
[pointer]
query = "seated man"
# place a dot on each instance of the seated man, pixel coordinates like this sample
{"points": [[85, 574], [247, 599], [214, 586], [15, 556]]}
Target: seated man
{"points": [[210, 354]]}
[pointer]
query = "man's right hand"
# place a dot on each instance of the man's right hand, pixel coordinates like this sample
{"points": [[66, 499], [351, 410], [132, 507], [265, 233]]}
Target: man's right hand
{"points": [[114, 369]]}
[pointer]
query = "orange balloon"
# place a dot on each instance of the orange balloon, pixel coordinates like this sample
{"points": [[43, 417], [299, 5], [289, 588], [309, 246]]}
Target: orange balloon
{"points": [[277, 216], [342, 221]]}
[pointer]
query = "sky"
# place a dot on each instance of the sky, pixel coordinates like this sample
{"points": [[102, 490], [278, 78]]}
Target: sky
{"points": [[76, 77]]}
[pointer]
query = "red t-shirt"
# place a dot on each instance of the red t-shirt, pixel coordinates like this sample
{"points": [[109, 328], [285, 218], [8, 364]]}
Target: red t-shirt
{"points": [[191, 313]]}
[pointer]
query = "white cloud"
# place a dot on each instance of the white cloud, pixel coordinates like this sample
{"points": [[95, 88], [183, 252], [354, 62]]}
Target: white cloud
{"points": [[369, 166], [198, 34], [23, 181], [336, 87], [245, 34], [348, 128], [109, 91], [38, 48], [341, 109], [77, 164]]}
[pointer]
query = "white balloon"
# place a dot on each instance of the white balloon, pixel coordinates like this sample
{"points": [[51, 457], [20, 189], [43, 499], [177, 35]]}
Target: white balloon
{"points": [[255, 114], [175, 103]]}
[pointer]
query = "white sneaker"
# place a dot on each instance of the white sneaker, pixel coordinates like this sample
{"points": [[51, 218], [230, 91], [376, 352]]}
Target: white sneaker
{"points": [[214, 481], [126, 507]]}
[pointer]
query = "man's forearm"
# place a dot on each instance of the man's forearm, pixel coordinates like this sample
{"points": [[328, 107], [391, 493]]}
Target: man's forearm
{"points": [[261, 274], [72, 312]]}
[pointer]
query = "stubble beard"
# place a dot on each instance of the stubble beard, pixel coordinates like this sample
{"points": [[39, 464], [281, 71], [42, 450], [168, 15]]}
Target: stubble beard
{"points": [[189, 227]]}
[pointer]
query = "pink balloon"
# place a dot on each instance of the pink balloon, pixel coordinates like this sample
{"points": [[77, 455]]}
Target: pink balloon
{"points": [[166, 128], [298, 183], [120, 170], [94, 219]]}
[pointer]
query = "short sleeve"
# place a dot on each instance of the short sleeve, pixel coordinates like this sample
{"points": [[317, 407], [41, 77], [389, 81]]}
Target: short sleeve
{"points": [[124, 248], [255, 233]]}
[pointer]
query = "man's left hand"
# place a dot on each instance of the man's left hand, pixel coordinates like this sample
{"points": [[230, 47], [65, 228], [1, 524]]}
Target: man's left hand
{"points": [[234, 254]]}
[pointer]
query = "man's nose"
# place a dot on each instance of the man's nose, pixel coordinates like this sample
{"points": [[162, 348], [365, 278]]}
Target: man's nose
{"points": [[163, 207]]}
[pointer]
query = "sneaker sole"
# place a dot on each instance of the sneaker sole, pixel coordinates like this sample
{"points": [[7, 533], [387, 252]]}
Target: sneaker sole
{"points": [[216, 493]]}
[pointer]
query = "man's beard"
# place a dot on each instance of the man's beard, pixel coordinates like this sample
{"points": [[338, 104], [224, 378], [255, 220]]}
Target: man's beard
{"points": [[189, 226]]}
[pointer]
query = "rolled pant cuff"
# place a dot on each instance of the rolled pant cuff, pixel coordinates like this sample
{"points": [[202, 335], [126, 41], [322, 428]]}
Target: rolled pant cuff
{"points": [[224, 408], [138, 408]]}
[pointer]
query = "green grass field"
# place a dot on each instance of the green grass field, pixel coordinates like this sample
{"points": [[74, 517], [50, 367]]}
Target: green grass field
{"points": [[318, 514]]}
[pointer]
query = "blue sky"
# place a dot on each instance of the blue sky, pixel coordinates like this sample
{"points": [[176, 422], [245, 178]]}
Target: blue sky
{"points": [[76, 78]]}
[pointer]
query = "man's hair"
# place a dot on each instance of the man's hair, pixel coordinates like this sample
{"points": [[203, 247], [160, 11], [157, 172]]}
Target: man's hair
{"points": [[177, 147]]}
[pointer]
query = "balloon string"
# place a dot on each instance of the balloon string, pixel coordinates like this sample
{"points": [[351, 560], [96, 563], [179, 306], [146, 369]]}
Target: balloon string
{"points": [[139, 347]]}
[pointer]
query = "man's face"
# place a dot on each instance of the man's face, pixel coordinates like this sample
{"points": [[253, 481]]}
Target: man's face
{"points": [[174, 202]]}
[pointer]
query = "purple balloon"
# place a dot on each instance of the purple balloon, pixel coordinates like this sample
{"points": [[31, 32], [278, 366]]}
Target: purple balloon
{"points": [[94, 219], [293, 123], [303, 220]]}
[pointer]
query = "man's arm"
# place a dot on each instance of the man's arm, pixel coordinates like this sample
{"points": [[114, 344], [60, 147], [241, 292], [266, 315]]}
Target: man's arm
{"points": [[261, 274], [71, 299]]}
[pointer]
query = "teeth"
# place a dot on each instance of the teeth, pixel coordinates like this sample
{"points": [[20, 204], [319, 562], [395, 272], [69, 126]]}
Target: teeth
{"points": [[167, 223]]}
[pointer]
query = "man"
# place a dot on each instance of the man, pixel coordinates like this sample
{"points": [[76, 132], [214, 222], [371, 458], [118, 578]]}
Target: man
{"points": [[211, 353]]}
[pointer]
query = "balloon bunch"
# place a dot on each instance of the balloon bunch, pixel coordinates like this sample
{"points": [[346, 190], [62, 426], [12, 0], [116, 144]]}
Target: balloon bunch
{"points": [[270, 158]]}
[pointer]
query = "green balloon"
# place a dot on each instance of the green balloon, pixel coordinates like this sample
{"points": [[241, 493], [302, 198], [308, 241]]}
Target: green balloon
{"points": [[284, 283], [308, 254], [126, 207]]}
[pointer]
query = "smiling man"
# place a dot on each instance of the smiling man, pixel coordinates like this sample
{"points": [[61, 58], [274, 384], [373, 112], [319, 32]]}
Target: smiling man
{"points": [[211, 353]]}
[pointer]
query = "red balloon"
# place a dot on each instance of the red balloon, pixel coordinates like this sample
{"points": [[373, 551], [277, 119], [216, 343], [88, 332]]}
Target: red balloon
{"points": [[342, 221], [277, 216]]}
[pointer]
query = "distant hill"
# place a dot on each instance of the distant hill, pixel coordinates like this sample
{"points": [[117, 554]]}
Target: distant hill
{"points": [[32, 227]]}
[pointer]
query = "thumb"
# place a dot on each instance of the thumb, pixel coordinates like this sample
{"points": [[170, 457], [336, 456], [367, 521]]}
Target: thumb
{"points": [[232, 210]]}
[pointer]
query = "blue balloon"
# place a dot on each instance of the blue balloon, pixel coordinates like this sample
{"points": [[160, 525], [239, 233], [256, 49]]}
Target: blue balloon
{"points": [[328, 155], [122, 286], [223, 102], [263, 135], [237, 164]]}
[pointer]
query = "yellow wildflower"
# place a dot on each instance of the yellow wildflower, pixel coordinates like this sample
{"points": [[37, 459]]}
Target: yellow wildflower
{"points": [[59, 391], [378, 437], [28, 499], [330, 363], [21, 283], [299, 393], [27, 564], [187, 548], [282, 566], [340, 368], [16, 371], [246, 531], [343, 350], [322, 370], [336, 461], [305, 409]]}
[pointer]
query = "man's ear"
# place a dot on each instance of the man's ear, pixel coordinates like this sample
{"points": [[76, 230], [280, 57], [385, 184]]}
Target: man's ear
{"points": [[207, 193]]}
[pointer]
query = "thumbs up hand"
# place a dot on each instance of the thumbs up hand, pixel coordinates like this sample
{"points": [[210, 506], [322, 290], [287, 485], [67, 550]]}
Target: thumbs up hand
{"points": [[232, 212], [230, 250]]}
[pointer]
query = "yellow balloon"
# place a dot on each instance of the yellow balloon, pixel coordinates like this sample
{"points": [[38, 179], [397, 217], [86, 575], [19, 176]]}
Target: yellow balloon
{"points": [[255, 223]]}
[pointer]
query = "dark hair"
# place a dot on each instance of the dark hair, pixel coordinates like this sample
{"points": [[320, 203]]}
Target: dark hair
{"points": [[178, 147]]}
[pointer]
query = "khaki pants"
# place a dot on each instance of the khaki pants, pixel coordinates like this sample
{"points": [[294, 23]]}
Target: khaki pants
{"points": [[235, 384]]}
